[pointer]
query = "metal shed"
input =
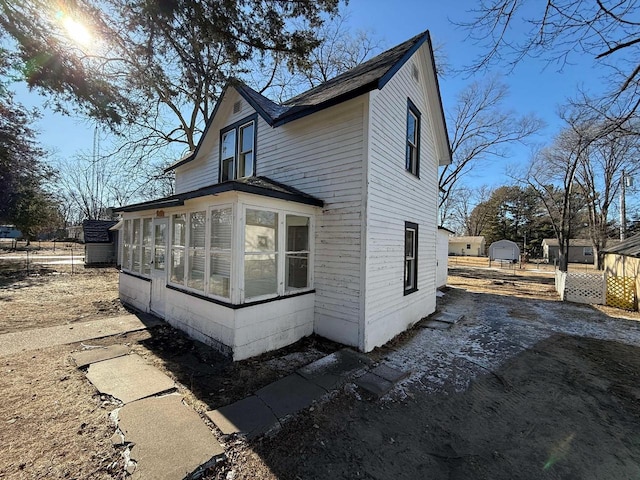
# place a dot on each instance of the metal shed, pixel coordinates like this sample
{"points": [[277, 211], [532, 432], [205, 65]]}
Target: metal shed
{"points": [[504, 250]]}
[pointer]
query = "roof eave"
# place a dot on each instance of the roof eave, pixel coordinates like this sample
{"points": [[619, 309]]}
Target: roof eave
{"points": [[303, 112]]}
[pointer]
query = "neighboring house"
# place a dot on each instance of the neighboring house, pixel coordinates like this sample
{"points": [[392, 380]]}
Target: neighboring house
{"points": [[467, 246], [623, 260], [9, 231], [75, 232], [100, 243], [504, 250], [316, 215], [580, 250], [442, 254]]}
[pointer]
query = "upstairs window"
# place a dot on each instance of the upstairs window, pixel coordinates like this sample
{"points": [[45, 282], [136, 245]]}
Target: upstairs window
{"points": [[412, 161], [237, 150], [410, 257]]}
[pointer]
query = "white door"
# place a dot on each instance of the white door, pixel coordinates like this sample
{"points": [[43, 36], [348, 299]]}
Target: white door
{"points": [[159, 266]]}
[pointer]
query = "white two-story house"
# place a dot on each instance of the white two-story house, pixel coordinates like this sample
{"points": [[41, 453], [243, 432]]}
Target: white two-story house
{"points": [[316, 215]]}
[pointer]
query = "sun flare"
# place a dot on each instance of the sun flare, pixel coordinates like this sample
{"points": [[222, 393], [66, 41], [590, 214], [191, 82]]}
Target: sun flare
{"points": [[77, 31]]}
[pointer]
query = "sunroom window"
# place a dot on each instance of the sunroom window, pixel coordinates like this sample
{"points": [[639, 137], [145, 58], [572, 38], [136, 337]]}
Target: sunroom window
{"points": [[135, 246], [297, 253], [178, 242], [260, 253], [126, 245], [220, 252], [196, 262]]}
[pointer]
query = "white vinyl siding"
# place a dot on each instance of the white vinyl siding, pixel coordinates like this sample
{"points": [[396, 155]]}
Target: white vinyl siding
{"points": [[395, 196]]}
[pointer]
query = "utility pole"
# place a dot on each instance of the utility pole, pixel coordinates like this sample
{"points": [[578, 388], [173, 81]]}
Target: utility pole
{"points": [[625, 181]]}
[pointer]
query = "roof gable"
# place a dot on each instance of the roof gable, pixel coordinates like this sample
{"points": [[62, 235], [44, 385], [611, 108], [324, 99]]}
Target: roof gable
{"points": [[370, 75]]}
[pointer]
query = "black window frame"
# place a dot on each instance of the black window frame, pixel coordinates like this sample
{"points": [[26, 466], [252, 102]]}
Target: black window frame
{"points": [[414, 288], [236, 126], [413, 169]]}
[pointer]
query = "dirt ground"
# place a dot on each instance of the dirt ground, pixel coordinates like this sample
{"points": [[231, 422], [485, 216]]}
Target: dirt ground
{"points": [[523, 387]]}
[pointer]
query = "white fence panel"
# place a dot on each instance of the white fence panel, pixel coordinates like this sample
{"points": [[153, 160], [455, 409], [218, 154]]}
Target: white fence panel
{"points": [[561, 279], [588, 288]]}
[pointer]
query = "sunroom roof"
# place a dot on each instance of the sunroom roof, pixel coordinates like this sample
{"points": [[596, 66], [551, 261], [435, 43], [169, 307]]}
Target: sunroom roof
{"points": [[256, 185]]}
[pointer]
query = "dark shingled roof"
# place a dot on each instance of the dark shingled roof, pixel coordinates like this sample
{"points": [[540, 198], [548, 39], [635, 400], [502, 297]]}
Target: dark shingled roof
{"points": [[370, 75], [97, 231], [629, 247], [255, 185]]}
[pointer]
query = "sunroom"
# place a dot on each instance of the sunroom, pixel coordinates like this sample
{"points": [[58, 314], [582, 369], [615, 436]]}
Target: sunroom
{"points": [[230, 264]]}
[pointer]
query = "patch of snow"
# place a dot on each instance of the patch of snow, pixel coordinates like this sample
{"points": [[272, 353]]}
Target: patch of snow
{"points": [[496, 329]]}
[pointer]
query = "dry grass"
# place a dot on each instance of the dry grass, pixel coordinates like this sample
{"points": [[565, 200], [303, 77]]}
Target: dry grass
{"points": [[57, 297], [517, 283]]}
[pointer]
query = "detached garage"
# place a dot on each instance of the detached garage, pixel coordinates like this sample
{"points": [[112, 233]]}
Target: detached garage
{"points": [[504, 250]]}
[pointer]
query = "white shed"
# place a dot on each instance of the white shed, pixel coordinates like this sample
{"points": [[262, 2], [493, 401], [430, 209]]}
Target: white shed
{"points": [[442, 256], [504, 250]]}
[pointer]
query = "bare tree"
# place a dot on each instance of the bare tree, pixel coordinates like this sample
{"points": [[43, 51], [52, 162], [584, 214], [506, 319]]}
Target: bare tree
{"points": [[560, 30], [338, 50], [599, 175], [552, 175], [462, 211], [482, 129]]}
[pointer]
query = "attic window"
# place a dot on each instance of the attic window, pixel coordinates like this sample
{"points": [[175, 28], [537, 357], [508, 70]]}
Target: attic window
{"points": [[414, 72], [237, 107]]}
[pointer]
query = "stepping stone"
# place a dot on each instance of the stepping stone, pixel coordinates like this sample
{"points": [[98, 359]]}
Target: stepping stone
{"points": [[334, 370], [389, 373], [374, 385], [94, 355], [448, 317], [289, 395], [250, 416], [435, 324], [128, 378], [170, 439]]}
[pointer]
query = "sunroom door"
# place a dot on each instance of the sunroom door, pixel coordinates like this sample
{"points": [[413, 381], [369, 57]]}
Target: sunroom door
{"points": [[159, 266]]}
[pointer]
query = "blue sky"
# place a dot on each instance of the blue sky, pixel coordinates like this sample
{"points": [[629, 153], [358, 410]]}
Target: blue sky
{"points": [[534, 85]]}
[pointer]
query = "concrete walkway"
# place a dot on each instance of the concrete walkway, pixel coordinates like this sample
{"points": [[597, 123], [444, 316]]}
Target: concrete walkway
{"points": [[165, 438], [12, 343], [264, 411]]}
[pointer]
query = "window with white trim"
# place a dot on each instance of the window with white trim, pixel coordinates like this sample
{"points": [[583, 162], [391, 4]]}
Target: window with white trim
{"points": [[126, 245], [297, 253], [410, 257], [237, 150], [136, 246], [178, 243], [260, 253], [412, 160], [196, 260], [221, 235]]}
